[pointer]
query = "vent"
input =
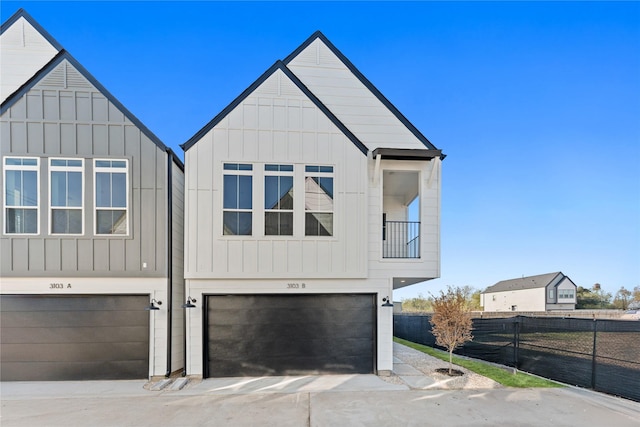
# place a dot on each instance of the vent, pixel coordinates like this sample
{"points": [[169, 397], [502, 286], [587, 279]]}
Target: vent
{"points": [[65, 76], [75, 79], [55, 78]]}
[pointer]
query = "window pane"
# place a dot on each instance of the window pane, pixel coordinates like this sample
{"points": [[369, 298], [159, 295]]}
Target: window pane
{"points": [[312, 169], [230, 192], [319, 194], [237, 223], [103, 164], [103, 190], [325, 168], [231, 166], [119, 164], [74, 189], [278, 223], [318, 224], [271, 167], [286, 192], [58, 189], [77, 163], [30, 188], [13, 185], [245, 192], [66, 221], [22, 221], [271, 195], [119, 190], [12, 162], [245, 167], [111, 222], [58, 162]]}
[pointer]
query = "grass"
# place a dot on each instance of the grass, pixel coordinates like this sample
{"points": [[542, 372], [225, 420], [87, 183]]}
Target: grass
{"points": [[500, 375]]}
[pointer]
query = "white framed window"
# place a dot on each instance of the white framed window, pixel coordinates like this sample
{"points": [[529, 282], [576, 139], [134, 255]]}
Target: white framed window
{"points": [[21, 195], [566, 294], [111, 183], [318, 201], [278, 200], [237, 199], [66, 196], [550, 293]]}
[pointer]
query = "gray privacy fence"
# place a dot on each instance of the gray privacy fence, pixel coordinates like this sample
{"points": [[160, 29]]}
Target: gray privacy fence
{"points": [[603, 355]]}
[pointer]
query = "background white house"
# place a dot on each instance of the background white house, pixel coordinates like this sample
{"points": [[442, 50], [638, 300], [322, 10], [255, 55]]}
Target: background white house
{"points": [[91, 221], [544, 292], [297, 222]]}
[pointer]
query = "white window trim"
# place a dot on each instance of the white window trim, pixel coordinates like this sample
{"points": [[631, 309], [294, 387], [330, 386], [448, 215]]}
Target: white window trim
{"points": [[5, 168], [237, 172], [332, 212], [292, 210], [98, 169], [82, 183]]}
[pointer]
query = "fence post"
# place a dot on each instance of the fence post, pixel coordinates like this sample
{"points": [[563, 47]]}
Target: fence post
{"points": [[593, 355], [516, 341]]}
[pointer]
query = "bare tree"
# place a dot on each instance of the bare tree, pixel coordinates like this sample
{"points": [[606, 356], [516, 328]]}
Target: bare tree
{"points": [[451, 320], [623, 298]]}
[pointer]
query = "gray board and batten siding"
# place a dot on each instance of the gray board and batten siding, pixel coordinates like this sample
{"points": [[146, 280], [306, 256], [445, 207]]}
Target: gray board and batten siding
{"points": [[64, 112]]}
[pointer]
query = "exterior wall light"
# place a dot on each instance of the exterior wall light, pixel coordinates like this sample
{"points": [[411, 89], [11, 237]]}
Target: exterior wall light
{"points": [[190, 303], [387, 302], [153, 306]]}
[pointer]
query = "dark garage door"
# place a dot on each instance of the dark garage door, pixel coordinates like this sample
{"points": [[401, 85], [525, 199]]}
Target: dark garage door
{"points": [[50, 338], [256, 335]]}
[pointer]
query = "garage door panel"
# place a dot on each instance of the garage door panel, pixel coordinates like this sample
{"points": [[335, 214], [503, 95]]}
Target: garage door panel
{"points": [[98, 352], [72, 302], [58, 371], [70, 335], [287, 334], [73, 318], [74, 337]]}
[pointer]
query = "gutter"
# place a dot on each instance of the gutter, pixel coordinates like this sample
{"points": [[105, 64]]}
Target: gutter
{"points": [[169, 260]]}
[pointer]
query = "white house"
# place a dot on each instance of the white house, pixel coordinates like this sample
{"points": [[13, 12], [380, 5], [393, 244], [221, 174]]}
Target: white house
{"points": [[297, 222], [92, 206], [545, 292]]}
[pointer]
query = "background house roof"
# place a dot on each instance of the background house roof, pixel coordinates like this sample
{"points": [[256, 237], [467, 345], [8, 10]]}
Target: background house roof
{"points": [[531, 282]]}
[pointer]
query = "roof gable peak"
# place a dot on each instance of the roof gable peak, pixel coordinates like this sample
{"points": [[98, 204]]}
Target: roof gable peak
{"points": [[21, 13], [278, 65], [374, 90]]}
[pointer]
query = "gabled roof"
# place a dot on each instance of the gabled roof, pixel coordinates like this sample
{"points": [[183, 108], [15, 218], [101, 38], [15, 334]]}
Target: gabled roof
{"points": [[427, 153], [63, 55], [25, 49], [371, 88], [531, 282], [21, 13], [279, 65]]}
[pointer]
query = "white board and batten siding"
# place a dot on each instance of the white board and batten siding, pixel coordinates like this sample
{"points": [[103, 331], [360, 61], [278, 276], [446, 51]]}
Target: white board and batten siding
{"points": [[427, 266], [277, 124], [24, 52], [350, 100]]}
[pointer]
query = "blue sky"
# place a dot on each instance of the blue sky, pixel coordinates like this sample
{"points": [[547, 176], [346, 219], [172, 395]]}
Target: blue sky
{"points": [[537, 106]]}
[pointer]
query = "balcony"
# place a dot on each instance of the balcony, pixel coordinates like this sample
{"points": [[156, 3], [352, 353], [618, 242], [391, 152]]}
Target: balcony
{"points": [[400, 239]]}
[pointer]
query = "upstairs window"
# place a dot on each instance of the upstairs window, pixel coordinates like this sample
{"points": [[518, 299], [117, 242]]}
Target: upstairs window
{"points": [[550, 293], [21, 201], [318, 200], [278, 200], [66, 193], [238, 199], [111, 197], [566, 294]]}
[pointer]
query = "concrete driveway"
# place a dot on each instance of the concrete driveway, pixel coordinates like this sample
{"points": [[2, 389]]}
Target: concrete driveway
{"points": [[341, 400]]}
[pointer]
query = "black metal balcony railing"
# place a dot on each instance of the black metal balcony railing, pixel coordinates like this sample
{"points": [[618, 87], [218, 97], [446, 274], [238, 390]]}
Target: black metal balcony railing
{"points": [[400, 239]]}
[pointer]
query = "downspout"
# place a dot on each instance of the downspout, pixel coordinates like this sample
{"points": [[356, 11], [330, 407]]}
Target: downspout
{"points": [[169, 259]]}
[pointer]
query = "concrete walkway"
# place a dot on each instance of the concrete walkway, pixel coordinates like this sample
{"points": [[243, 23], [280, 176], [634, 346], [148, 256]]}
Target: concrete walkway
{"points": [[413, 397]]}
